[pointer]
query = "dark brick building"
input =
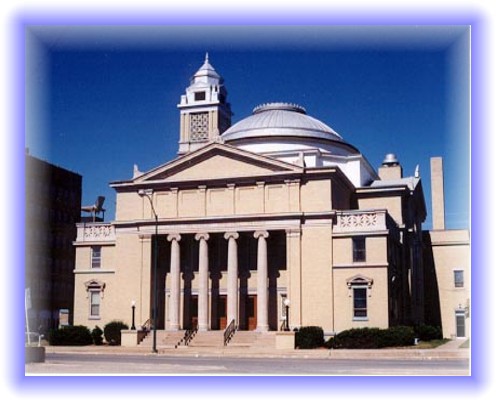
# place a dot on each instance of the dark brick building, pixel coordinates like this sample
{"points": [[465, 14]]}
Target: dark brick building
{"points": [[53, 206]]}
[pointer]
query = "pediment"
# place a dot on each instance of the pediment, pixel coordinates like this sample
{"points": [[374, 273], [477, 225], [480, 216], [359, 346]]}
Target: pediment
{"points": [[359, 279], [216, 161]]}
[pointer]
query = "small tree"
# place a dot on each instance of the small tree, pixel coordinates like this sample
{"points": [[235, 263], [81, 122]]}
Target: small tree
{"points": [[97, 335], [112, 332]]}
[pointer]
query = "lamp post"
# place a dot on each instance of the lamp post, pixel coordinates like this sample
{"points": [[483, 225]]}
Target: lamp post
{"points": [[147, 194], [133, 307], [286, 304]]}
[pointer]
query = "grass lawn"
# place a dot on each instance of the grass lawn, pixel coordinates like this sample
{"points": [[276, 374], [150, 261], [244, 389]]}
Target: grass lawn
{"points": [[430, 344]]}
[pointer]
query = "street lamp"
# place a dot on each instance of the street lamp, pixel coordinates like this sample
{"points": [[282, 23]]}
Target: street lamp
{"points": [[133, 307], [286, 304], [147, 194]]}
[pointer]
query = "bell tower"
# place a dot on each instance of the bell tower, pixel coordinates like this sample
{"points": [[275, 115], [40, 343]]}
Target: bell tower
{"points": [[205, 114]]}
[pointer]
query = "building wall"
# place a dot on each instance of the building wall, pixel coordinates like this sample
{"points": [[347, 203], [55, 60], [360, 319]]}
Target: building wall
{"points": [[53, 207], [393, 204], [450, 251], [374, 268], [377, 298], [316, 280]]}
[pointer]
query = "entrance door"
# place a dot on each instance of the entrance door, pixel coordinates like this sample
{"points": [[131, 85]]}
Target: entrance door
{"points": [[251, 312], [222, 311], [460, 324]]}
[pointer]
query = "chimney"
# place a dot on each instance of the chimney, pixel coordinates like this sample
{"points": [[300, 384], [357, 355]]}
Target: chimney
{"points": [[437, 190], [391, 168]]}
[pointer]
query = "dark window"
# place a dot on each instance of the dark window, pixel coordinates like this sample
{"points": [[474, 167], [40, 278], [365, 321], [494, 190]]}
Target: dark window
{"points": [[200, 96], [359, 249], [359, 302], [458, 278]]}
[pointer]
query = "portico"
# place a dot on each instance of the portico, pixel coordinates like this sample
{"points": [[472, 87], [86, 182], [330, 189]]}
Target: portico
{"points": [[211, 283]]}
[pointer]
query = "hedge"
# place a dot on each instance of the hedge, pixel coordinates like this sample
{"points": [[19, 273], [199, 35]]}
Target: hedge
{"points": [[368, 338], [70, 335], [428, 333]]}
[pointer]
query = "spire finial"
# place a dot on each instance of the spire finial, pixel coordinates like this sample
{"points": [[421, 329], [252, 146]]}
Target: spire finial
{"points": [[206, 57]]}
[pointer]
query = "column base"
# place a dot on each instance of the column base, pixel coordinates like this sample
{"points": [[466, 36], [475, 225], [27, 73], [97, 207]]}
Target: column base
{"points": [[262, 329], [202, 328], [174, 328]]}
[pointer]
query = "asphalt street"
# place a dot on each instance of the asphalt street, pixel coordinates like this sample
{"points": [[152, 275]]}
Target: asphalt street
{"points": [[77, 364]]}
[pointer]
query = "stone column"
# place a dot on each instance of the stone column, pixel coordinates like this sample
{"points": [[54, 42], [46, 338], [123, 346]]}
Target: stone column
{"points": [[203, 282], [262, 282], [232, 277], [175, 272]]}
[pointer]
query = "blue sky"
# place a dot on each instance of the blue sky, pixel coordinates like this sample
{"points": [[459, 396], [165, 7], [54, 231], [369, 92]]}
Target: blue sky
{"points": [[99, 100]]}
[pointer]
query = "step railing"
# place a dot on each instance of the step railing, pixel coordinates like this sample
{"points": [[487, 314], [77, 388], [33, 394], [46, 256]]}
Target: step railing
{"points": [[147, 325], [188, 336], [229, 332]]}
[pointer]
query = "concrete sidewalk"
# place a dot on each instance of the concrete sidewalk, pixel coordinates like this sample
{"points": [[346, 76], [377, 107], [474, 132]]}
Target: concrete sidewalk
{"points": [[449, 350]]}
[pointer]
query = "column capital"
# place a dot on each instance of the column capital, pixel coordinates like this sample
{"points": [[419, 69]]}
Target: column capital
{"points": [[174, 237], [258, 234], [204, 236], [231, 234]]}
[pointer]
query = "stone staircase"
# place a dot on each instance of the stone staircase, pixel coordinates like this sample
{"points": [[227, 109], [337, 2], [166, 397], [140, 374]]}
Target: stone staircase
{"points": [[253, 340], [242, 340], [165, 339], [212, 339]]}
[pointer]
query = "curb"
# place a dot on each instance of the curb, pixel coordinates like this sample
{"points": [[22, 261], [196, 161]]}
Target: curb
{"points": [[193, 352]]}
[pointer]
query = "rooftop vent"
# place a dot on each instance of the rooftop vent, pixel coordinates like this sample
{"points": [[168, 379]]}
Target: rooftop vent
{"points": [[390, 160]]}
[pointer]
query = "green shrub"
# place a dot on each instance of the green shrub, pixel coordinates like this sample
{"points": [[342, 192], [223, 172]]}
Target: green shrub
{"points": [[428, 333], [112, 332], [356, 338], [70, 335], [97, 335], [371, 337], [309, 337], [397, 336]]}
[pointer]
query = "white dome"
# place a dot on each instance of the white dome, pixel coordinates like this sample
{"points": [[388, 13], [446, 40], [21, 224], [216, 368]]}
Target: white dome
{"points": [[280, 119], [284, 131]]}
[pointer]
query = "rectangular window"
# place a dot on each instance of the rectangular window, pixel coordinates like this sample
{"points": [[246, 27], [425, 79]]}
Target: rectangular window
{"points": [[458, 278], [359, 249], [95, 304], [199, 96], [359, 303], [96, 257]]}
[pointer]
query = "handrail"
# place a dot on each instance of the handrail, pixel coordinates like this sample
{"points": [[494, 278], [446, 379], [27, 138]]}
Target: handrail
{"points": [[229, 332], [147, 325], [188, 336]]}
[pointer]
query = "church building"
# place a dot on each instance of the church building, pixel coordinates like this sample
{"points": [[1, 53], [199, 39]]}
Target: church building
{"points": [[274, 220]]}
